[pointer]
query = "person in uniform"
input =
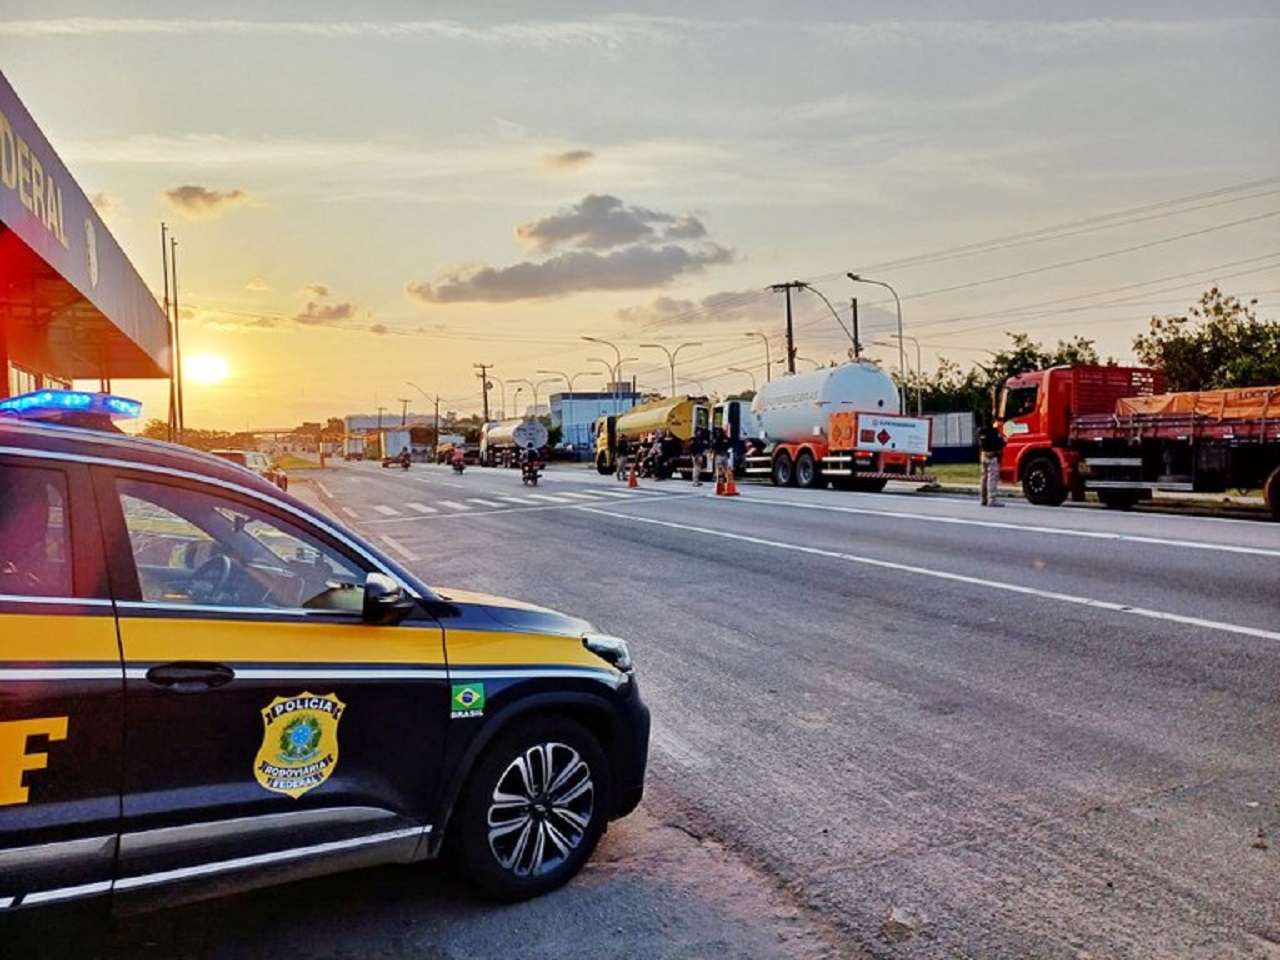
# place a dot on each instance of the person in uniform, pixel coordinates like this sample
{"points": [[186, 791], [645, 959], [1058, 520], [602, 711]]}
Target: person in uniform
{"points": [[991, 444]]}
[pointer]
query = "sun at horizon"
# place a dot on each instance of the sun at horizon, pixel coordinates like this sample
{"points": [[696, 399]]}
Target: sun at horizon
{"points": [[205, 368]]}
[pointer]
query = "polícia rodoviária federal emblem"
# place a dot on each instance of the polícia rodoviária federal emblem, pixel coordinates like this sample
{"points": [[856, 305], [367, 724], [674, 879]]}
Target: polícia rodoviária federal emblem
{"points": [[299, 742]]}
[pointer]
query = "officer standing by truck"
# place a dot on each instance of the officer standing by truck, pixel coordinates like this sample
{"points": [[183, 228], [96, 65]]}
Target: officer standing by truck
{"points": [[991, 444]]}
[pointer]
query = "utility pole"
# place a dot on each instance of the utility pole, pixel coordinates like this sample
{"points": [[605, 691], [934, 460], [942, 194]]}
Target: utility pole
{"points": [[404, 410], [791, 342], [181, 420], [484, 369], [857, 344]]}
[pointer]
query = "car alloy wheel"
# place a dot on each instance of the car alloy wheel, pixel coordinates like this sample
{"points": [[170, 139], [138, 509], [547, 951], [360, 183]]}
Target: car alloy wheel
{"points": [[540, 809], [534, 809]]}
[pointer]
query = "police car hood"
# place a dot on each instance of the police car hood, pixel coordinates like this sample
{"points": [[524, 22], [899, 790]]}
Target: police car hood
{"points": [[475, 608]]}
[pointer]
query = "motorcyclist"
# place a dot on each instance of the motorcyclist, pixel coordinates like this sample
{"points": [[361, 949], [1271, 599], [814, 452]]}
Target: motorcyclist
{"points": [[403, 458], [529, 460], [459, 460]]}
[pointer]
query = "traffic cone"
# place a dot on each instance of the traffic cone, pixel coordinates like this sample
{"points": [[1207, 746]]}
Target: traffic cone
{"points": [[730, 488], [631, 480]]}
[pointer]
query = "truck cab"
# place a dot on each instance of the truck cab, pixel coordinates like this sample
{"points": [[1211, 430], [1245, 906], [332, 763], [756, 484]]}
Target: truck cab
{"points": [[1037, 410]]}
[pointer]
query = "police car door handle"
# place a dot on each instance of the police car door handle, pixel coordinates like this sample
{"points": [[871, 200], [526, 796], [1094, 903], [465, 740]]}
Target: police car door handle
{"points": [[187, 676]]}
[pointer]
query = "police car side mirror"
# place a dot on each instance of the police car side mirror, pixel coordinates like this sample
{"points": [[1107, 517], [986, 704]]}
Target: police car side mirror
{"points": [[385, 601]]}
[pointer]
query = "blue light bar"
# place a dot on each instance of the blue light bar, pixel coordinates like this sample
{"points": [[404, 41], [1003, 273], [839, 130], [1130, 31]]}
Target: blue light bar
{"points": [[50, 404]]}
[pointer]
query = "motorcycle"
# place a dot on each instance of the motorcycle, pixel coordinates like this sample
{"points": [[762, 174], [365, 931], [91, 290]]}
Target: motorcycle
{"points": [[459, 466], [529, 473]]}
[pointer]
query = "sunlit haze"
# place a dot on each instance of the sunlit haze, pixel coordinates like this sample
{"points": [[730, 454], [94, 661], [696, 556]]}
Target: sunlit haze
{"points": [[369, 199]]}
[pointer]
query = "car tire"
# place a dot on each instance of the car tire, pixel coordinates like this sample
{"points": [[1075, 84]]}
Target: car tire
{"points": [[533, 810]]}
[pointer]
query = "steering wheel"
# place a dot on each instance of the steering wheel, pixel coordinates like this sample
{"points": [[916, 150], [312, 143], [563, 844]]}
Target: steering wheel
{"points": [[210, 578]]}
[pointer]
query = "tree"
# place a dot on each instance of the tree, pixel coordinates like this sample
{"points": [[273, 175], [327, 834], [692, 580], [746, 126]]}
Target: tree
{"points": [[951, 389], [1219, 343]]}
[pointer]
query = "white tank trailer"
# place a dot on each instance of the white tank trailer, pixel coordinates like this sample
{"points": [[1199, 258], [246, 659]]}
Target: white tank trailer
{"points": [[502, 440], [798, 407]]}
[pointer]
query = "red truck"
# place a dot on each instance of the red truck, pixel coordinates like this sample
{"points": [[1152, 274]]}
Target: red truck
{"points": [[1113, 431]]}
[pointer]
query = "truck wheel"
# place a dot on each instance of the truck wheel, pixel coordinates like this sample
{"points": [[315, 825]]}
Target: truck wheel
{"points": [[1271, 493], [1118, 499], [602, 464], [1042, 482], [784, 474], [533, 810], [808, 475]]}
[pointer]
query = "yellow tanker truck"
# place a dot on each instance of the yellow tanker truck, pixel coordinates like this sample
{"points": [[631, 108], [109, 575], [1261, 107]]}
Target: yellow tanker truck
{"points": [[676, 417]]}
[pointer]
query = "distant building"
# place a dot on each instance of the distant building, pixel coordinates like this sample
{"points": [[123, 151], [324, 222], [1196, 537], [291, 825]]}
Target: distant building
{"points": [[574, 413]]}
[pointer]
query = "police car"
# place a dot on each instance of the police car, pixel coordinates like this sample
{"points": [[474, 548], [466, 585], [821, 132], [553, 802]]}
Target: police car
{"points": [[206, 686]]}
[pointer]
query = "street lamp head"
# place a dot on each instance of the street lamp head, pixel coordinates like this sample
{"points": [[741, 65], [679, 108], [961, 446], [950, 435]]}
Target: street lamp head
{"points": [[854, 277]]}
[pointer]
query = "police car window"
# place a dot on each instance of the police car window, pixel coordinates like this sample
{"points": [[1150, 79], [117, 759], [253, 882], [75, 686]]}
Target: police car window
{"points": [[195, 547], [35, 538]]}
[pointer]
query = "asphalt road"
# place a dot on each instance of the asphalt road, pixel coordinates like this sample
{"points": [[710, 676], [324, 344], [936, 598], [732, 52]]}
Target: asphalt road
{"points": [[895, 725]]}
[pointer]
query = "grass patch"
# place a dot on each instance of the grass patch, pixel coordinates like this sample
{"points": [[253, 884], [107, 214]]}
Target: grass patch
{"points": [[955, 472]]}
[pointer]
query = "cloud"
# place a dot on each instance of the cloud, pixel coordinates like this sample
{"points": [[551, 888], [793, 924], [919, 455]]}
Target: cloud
{"points": [[324, 314], [736, 307], [317, 314], [200, 203], [379, 328], [614, 247], [567, 159], [257, 285], [105, 203], [633, 268]]}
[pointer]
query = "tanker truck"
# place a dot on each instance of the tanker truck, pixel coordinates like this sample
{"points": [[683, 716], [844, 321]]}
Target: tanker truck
{"points": [[837, 425], [676, 417], [502, 440]]}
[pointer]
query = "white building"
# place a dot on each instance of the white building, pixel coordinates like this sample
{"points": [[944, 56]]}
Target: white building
{"points": [[574, 413]]}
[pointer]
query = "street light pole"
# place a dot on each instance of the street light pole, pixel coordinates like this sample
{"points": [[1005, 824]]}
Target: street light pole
{"points": [[615, 369], [534, 387], [671, 357], [902, 346], [919, 368], [748, 373], [567, 378], [768, 363]]}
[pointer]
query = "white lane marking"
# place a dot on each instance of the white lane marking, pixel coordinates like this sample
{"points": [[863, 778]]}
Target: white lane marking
{"points": [[351, 513], [453, 505], [547, 497], [576, 496], [421, 508], [400, 548], [955, 577], [386, 511], [524, 501], [618, 493], [1051, 531], [483, 503], [323, 489]]}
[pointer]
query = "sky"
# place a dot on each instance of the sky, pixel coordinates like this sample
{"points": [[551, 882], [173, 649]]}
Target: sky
{"points": [[369, 199]]}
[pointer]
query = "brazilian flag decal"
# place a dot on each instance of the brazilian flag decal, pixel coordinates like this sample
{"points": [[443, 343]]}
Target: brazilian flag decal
{"points": [[468, 699]]}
